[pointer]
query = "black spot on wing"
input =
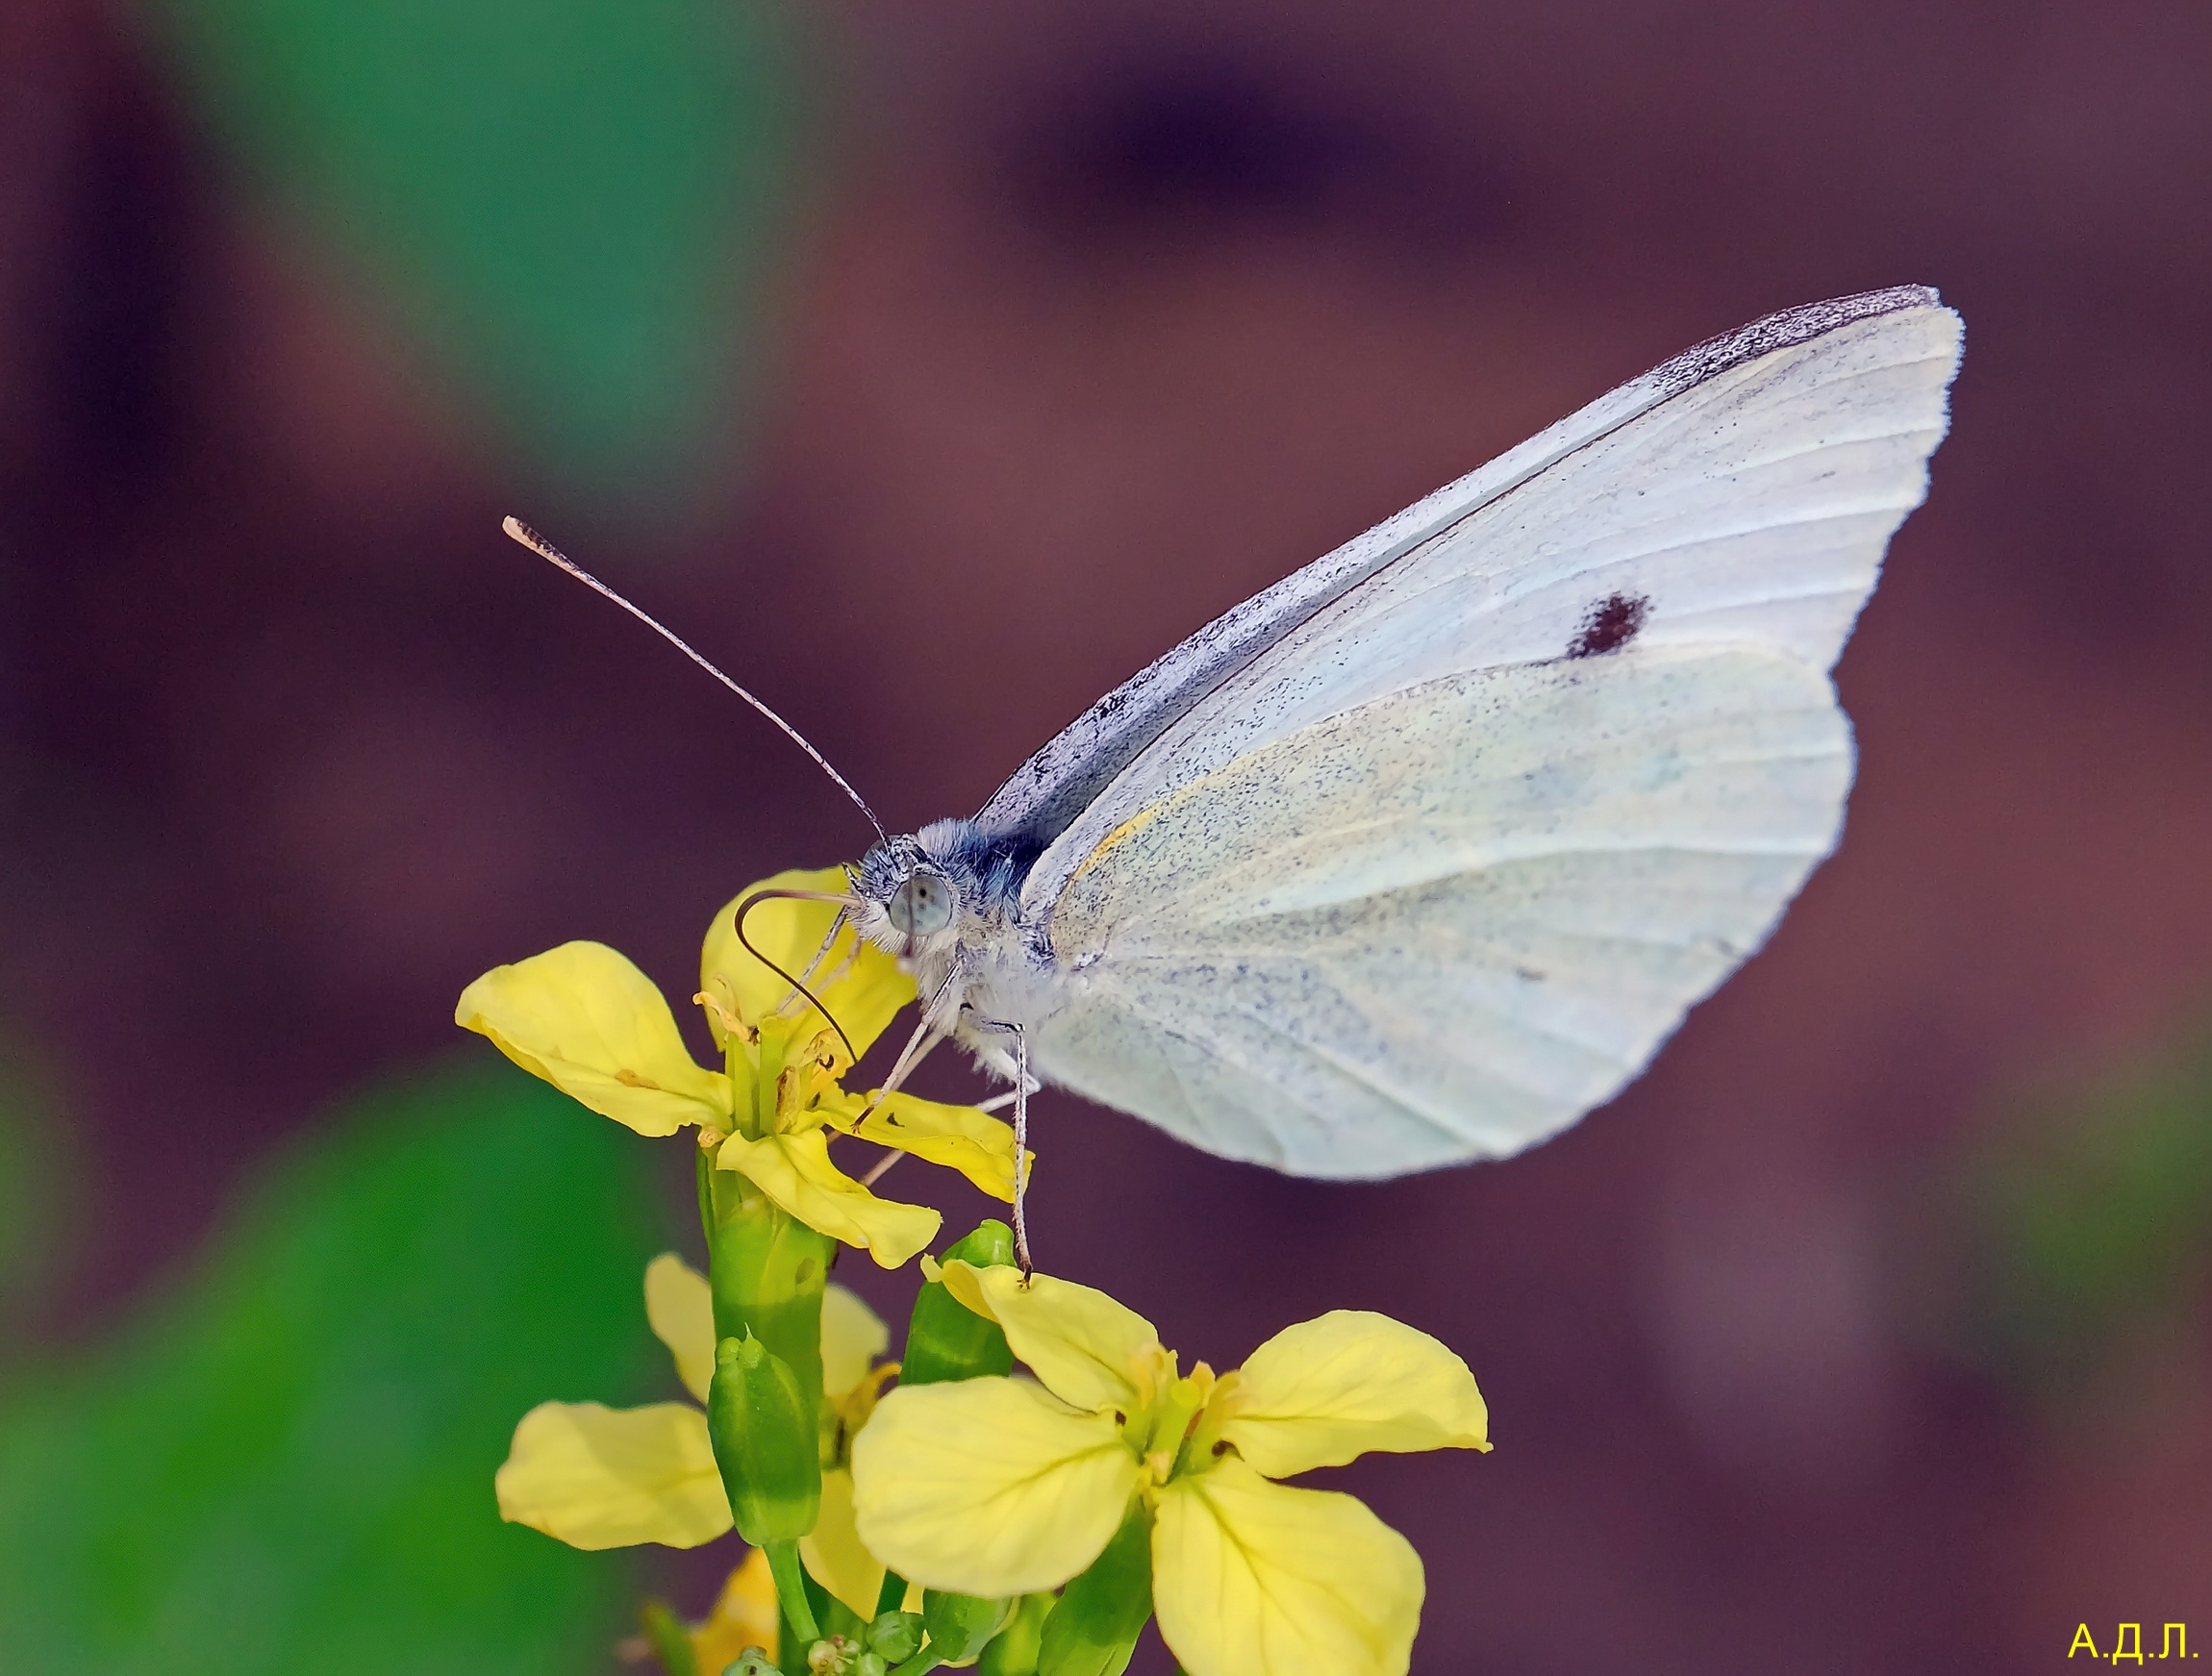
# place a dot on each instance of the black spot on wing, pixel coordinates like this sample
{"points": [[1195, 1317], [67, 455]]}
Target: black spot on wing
{"points": [[1609, 625]]}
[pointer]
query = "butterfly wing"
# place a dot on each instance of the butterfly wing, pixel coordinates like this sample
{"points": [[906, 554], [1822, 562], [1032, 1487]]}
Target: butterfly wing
{"points": [[1800, 353], [1421, 854]]}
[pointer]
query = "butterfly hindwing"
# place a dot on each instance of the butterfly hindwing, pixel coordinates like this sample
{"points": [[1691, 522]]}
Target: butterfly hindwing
{"points": [[1443, 925]]}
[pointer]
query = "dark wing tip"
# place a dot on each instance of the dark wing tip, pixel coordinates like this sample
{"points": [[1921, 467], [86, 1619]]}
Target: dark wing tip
{"points": [[1783, 331]]}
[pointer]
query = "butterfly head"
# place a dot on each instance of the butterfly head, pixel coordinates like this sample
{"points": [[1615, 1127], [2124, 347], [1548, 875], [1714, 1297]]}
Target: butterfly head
{"points": [[920, 896], [917, 894]]}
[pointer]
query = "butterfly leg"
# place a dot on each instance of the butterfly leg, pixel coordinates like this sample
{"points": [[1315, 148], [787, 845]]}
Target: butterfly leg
{"points": [[829, 943], [927, 1033], [1021, 1149], [926, 1036], [1020, 1098], [999, 1102], [916, 1049]]}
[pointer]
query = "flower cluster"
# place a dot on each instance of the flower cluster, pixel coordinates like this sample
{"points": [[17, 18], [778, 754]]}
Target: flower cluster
{"points": [[591, 1024], [1035, 1521], [1009, 1485]]}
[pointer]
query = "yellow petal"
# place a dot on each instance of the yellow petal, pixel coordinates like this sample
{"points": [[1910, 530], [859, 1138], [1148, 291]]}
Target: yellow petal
{"points": [[1088, 1349], [853, 1336], [591, 1024], [859, 983], [988, 1487], [1324, 1391], [833, 1554], [680, 1307], [744, 1616], [794, 1170], [975, 1143], [1255, 1579], [610, 1478]]}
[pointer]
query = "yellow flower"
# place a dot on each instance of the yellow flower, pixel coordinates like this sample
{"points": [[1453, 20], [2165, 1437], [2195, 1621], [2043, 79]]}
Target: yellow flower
{"points": [[591, 1023], [597, 1477], [1004, 1486], [744, 1616]]}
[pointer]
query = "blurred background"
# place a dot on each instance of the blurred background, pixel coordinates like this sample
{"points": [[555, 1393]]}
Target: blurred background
{"points": [[933, 369]]}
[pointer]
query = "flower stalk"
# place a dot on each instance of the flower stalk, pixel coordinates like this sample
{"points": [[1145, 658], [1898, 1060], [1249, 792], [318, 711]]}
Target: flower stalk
{"points": [[1093, 1630], [767, 1271], [792, 1591]]}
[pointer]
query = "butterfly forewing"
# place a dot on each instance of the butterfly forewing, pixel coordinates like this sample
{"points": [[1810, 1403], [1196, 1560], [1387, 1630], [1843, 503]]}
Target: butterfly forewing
{"points": [[1427, 856], [1055, 785], [1718, 517]]}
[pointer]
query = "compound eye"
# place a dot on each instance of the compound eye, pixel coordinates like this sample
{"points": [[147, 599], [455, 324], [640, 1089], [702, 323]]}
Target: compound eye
{"points": [[922, 906]]}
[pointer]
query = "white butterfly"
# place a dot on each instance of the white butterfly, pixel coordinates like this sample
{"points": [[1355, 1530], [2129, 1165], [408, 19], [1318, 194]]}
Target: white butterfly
{"points": [[1421, 853]]}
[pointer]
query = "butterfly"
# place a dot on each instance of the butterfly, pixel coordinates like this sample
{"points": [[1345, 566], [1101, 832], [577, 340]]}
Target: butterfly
{"points": [[1422, 852]]}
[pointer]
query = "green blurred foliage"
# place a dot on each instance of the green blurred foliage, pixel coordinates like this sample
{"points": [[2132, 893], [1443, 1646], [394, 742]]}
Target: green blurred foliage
{"points": [[286, 1465], [2092, 1218], [573, 203]]}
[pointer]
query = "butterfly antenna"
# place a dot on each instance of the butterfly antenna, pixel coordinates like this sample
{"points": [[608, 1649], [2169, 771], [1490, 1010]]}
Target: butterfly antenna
{"points": [[521, 532]]}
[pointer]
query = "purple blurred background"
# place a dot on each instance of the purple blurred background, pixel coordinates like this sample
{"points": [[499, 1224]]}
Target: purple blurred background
{"points": [[1099, 319]]}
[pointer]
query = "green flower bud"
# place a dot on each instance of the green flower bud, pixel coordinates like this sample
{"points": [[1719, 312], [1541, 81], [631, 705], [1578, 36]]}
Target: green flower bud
{"points": [[959, 1625], [897, 1635], [752, 1662], [764, 1433], [1093, 1630], [947, 1340]]}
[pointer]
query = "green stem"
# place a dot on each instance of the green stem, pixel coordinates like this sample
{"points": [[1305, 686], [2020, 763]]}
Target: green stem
{"points": [[920, 1665], [767, 1270], [666, 1636], [765, 1070], [791, 1589], [892, 1596]]}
